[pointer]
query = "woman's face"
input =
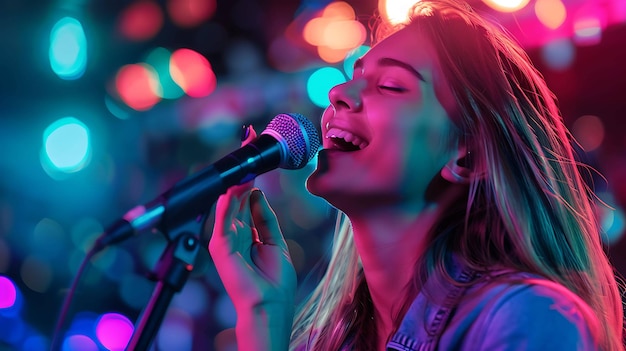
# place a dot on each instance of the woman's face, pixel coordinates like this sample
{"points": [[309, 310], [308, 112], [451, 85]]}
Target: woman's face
{"points": [[386, 133]]}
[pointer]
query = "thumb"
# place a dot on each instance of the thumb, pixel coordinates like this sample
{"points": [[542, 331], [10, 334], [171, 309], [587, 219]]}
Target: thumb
{"points": [[265, 220]]}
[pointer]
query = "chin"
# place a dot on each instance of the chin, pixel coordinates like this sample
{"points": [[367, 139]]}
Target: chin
{"points": [[315, 183], [322, 185]]}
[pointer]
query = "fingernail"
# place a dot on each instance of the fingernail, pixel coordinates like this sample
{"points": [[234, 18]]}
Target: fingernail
{"points": [[245, 132], [256, 194]]}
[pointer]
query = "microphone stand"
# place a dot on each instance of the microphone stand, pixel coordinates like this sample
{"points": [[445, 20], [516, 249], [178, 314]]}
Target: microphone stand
{"points": [[171, 273]]}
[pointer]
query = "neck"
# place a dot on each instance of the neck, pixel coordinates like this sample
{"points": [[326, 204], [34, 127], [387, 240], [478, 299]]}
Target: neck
{"points": [[389, 244]]}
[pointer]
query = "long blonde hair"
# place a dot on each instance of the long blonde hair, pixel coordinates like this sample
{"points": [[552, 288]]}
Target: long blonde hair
{"points": [[532, 210]]}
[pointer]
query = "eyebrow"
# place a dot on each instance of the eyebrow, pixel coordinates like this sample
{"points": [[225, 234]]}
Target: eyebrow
{"points": [[391, 62]]}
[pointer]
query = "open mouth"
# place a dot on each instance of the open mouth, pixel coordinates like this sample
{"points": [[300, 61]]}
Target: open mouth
{"points": [[345, 141], [343, 145]]}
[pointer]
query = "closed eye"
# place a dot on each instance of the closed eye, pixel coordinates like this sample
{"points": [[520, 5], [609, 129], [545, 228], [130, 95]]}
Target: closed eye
{"points": [[391, 88]]}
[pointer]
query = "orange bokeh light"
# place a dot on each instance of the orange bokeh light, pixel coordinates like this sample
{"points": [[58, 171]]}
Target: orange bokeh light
{"points": [[551, 13], [339, 10], [507, 5], [192, 72], [331, 55], [335, 32]]}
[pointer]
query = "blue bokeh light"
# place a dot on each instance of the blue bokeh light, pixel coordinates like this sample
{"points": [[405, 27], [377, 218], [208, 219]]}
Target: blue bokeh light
{"points": [[66, 145], [320, 82], [68, 49]]}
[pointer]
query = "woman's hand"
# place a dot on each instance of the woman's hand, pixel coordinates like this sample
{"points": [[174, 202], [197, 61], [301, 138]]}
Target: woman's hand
{"points": [[250, 252]]}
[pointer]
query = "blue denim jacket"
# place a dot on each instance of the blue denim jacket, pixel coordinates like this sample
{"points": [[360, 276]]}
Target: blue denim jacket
{"points": [[503, 311]]}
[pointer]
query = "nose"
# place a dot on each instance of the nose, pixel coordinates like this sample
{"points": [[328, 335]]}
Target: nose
{"points": [[347, 95]]}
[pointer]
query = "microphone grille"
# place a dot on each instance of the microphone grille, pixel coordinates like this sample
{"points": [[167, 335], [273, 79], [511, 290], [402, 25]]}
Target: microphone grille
{"points": [[298, 134]]}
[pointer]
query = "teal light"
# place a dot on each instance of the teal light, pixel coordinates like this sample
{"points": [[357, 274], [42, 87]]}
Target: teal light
{"points": [[348, 63], [66, 144], [68, 49], [320, 83], [159, 59]]}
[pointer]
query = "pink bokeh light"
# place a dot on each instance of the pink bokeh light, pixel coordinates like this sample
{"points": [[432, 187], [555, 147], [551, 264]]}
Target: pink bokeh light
{"points": [[114, 331], [8, 292]]}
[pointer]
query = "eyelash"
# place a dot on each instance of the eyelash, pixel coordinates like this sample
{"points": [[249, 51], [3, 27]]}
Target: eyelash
{"points": [[391, 88]]}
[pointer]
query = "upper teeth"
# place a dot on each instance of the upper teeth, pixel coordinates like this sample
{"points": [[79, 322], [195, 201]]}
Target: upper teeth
{"points": [[347, 136]]}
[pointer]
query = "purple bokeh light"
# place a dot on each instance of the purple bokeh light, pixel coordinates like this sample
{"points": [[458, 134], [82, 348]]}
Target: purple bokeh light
{"points": [[114, 331], [79, 342], [8, 292]]}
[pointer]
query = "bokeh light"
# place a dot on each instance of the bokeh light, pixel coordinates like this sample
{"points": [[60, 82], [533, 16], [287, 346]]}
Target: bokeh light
{"points": [[12, 330], [589, 131], [68, 49], [176, 333], [114, 331], [396, 11], [8, 292], [558, 54], [320, 82], [614, 225], [83, 323], [190, 13], [612, 218], [192, 72], [506, 5], [79, 342], [116, 108], [587, 31], [551, 13], [193, 298], [66, 145], [138, 86], [159, 59], [36, 273], [335, 32], [141, 20]]}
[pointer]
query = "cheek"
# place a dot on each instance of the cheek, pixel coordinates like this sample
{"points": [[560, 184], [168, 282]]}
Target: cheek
{"points": [[326, 115]]}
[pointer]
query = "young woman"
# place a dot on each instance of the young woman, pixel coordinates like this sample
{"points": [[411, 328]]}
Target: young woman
{"points": [[464, 221]]}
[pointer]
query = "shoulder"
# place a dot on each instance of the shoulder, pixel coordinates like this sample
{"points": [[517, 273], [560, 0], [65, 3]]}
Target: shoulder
{"points": [[527, 309]]}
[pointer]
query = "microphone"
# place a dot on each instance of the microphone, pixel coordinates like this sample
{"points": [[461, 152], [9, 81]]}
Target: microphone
{"points": [[289, 141]]}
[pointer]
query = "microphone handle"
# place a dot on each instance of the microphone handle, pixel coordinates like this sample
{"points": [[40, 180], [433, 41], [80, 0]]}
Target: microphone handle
{"points": [[191, 197]]}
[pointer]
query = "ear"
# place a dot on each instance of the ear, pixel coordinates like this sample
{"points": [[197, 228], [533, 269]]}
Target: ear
{"points": [[457, 170]]}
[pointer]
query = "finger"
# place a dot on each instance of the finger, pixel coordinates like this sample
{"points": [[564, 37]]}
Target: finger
{"points": [[244, 189], [225, 211], [265, 220], [250, 135], [240, 191]]}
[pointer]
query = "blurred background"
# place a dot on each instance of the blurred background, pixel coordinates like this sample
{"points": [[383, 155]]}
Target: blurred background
{"points": [[104, 104]]}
